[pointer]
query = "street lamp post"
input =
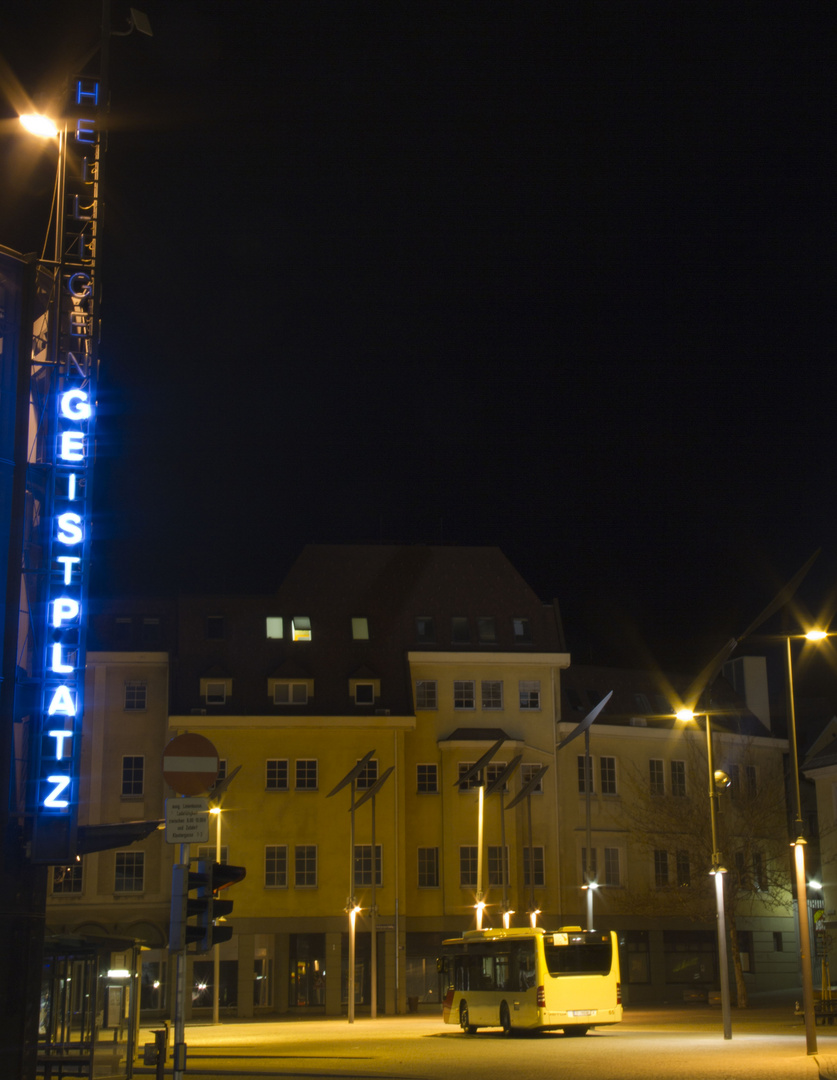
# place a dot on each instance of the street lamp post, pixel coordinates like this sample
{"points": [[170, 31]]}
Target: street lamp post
{"points": [[216, 958], [798, 845], [717, 871]]}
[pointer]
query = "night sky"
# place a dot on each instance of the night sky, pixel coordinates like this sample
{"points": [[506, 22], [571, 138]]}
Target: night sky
{"points": [[556, 276]]}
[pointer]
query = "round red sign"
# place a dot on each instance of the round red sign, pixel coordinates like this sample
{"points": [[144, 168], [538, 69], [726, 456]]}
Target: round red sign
{"points": [[190, 764]]}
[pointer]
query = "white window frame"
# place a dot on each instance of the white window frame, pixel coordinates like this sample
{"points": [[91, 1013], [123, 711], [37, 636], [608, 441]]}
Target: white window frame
{"points": [[275, 884], [292, 689], [436, 876], [276, 787], [491, 694], [529, 693], [427, 790], [132, 695], [462, 696], [425, 694]]}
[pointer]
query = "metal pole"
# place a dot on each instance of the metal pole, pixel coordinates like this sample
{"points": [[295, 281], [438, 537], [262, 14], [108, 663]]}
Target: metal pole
{"points": [[480, 812], [374, 951], [532, 915], [588, 864], [503, 867], [352, 916], [179, 1064], [717, 870], [801, 877], [216, 959]]}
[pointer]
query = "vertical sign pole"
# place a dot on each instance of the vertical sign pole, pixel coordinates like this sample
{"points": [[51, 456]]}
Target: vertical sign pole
{"points": [[180, 998]]}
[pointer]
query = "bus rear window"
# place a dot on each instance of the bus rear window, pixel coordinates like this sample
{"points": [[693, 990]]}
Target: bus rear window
{"points": [[578, 959]]}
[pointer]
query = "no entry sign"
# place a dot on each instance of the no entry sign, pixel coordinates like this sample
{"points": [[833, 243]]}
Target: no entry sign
{"points": [[190, 764]]}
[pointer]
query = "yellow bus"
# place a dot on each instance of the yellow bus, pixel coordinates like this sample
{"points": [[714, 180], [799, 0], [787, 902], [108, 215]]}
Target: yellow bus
{"points": [[531, 979]]}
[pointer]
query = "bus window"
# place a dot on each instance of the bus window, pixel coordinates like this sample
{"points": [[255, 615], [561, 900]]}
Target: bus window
{"points": [[578, 957], [523, 965]]}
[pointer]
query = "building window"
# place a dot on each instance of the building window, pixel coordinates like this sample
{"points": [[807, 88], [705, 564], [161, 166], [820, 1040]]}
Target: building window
{"points": [[778, 941], [300, 628], [536, 864], [67, 880], [275, 627], [216, 693], [611, 866], [130, 871], [496, 867], [207, 853], [530, 693], [522, 630], [364, 693], [425, 630], [215, 627], [678, 778], [368, 775], [425, 693], [360, 628], [660, 868], [473, 782], [290, 693], [492, 774], [222, 768], [136, 696], [607, 772], [467, 867], [684, 870], [363, 864], [428, 867], [463, 694], [486, 629], [276, 866], [593, 864], [276, 774], [585, 775], [305, 866], [460, 631], [306, 774], [427, 779], [527, 771], [656, 777], [492, 693], [133, 770]]}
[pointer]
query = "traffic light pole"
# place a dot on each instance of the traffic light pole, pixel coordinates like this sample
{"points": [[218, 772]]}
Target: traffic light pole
{"points": [[179, 1065]]}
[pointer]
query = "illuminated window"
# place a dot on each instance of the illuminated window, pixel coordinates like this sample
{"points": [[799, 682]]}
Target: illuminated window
{"points": [[425, 630], [486, 629], [305, 866], [536, 864], [360, 628], [129, 874], [276, 866], [364, 693], [67, 879], [275, 627], [427, 778], [428, 868], [522, 629], [133, 771], [460, 632], [306, 774], [463, 694], [492, 693], [301, 628], [426, 695], [216, 693], [136, 695], [290, 693], [276, 774], [529, 691], [215, 627]]}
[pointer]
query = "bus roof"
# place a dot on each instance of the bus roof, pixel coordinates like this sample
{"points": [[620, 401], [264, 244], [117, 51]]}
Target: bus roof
{"points": [[516, 932]]}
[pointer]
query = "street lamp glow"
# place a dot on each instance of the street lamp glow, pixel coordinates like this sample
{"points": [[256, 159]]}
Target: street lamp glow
{"points": [[685, 715], [39, 125], [816, 635], [215, 809]]}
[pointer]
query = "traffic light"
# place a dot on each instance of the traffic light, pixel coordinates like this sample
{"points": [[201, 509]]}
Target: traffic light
{"points": [[184, 907], [206, 880], [220, 876]]}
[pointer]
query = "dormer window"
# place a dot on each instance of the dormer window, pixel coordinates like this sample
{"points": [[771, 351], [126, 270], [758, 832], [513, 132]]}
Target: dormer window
{"points": [[290, 693], [215, 691], [364, 693], [274, 626], [301, 628], [364, 689], [360, 628]]}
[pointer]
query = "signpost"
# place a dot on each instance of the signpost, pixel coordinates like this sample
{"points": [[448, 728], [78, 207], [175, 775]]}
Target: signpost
{"points": [[190, 764], [187, 821]]}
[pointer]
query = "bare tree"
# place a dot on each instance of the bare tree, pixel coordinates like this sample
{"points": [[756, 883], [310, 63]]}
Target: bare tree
{"points": [[670, 837]]}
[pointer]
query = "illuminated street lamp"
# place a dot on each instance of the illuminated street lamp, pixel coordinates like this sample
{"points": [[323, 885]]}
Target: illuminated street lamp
{"points": [[717, 779], [798, 845], [216, 959]]}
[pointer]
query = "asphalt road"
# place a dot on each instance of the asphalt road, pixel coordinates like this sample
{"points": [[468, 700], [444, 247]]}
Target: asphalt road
{"points": [[767, 1043]]}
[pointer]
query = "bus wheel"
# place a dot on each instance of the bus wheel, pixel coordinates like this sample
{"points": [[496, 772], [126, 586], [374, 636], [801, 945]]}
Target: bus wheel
{"points": [[467, 1027], [575, 1029], [505, 1020]]}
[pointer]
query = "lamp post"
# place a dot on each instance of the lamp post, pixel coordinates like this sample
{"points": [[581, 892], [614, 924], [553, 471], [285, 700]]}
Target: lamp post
{"points": [[717, 871], [216, 958], [476, 771], [798, 845]]}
